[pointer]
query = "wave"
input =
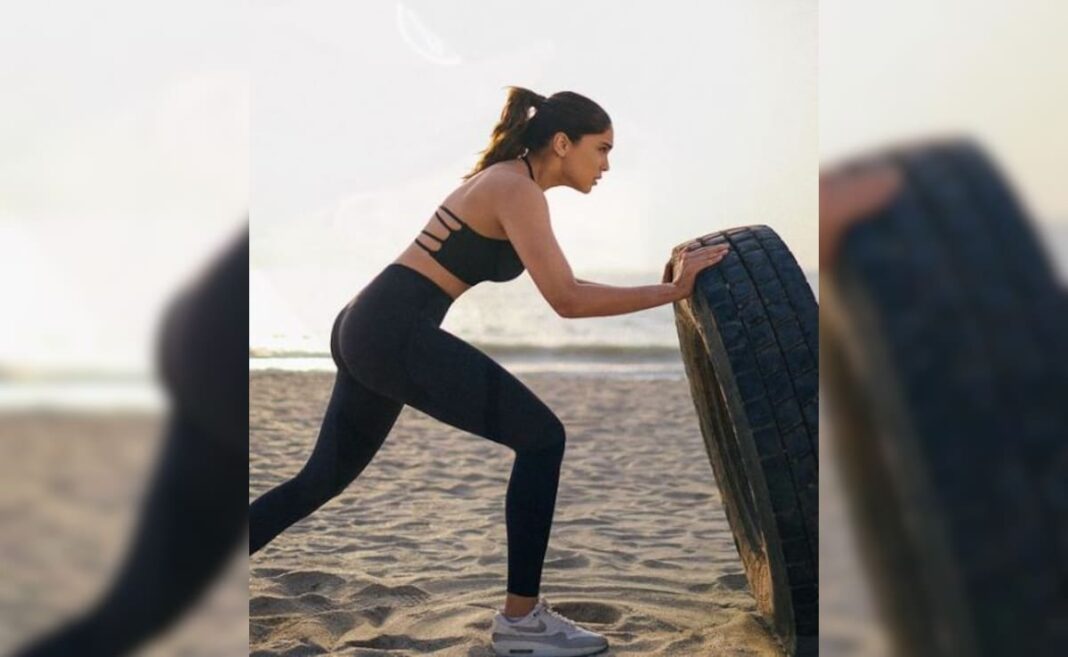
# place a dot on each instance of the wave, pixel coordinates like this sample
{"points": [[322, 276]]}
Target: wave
{"points": [[42, 375], [613, 352]]}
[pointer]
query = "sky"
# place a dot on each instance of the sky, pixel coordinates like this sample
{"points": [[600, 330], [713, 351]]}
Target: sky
{"points": [[124, 142], [134, 138], [363, 122], [994, 71]]}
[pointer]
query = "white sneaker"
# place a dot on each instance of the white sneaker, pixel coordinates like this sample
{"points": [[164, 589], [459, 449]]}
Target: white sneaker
{"points": [[543, 633]]}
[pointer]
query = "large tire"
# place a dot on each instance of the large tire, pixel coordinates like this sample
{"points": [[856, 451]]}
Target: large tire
{"points": [[750, 344], [946, 364]]}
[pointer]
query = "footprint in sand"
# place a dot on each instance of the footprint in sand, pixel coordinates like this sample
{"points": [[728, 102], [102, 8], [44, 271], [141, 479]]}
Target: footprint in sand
{"points": [[576, 561], [376, 615], [730, 582], [490, 560], [379, 594], [688, 496], [380, 558], [337, 622], [655, 564], [646, 625], [589, 612], [405, 642], [689, 645], [733, 581], [314, 602], [269, 605], [309, 581]]}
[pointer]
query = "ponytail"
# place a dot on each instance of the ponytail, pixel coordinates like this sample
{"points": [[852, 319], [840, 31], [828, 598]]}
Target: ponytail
{"points": [[507, 141]]}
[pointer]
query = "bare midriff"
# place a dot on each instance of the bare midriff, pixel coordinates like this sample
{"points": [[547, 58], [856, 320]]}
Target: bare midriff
{"points": [[420, 261]]}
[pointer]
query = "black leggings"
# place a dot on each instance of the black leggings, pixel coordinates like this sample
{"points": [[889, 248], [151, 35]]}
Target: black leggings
{"points": [[390, 351]]}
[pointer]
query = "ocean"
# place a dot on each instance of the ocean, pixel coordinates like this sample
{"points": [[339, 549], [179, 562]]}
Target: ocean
{"points": [[513, 324], [289, 329]]}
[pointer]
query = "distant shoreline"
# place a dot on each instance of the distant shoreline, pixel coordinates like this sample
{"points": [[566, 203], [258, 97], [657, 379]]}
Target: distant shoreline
{"points": [[606, 352], [618, 368], [608, 360]]}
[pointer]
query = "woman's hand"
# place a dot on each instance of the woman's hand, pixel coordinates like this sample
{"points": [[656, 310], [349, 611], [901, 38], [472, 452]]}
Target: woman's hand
{"points": [[694, 259], [850, 194]]}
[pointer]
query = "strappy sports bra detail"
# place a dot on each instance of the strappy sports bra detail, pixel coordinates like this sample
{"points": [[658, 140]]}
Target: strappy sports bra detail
{"points": [[471, 256], [463, 223]]}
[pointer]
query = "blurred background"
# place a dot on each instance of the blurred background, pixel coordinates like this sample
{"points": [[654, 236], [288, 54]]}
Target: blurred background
{"points": [[124, 145], [892, 74], [125, 165], [896, 74], [365, 117]]}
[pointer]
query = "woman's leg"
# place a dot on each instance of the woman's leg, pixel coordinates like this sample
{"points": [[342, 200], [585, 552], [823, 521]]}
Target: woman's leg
{"points": [[452, 381], [356, 423]]}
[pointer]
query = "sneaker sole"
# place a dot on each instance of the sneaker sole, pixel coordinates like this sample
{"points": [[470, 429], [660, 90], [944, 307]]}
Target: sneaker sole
{"points": [[520, 649]]}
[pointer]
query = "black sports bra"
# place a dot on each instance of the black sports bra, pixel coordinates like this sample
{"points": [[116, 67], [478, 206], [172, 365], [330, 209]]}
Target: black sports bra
{"points": [[473, 257]]}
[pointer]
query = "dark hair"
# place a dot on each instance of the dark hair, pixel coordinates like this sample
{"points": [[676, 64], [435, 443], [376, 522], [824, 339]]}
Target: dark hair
{"points": [[519, 130]]}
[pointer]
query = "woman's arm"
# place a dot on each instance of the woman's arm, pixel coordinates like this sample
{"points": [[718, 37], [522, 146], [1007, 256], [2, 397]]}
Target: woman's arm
{"points": [[597, 300], [525, 219]]}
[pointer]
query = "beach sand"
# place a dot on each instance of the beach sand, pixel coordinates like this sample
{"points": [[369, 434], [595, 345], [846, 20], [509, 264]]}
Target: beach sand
{"points": [[71, 484], [411, 558]]}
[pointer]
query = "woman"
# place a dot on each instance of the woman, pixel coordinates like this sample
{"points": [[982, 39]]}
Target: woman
{"points": [[390, 350]]}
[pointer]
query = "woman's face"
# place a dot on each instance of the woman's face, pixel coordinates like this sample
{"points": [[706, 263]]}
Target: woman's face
{"points": [[587, 159]]}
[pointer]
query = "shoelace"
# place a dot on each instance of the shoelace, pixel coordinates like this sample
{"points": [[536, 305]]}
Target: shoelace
{"points": [[555, 614]]}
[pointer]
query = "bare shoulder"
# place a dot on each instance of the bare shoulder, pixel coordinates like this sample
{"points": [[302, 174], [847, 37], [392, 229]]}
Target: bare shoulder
{"points": [[504, 197], [515, 199], [501, 187]]}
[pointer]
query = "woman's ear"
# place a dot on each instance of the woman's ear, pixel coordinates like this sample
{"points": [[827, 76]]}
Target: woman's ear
{"points": [[561, 142]]}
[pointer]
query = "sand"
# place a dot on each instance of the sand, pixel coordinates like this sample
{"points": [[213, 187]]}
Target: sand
{"points": [[70, 490], [411, 558]]}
